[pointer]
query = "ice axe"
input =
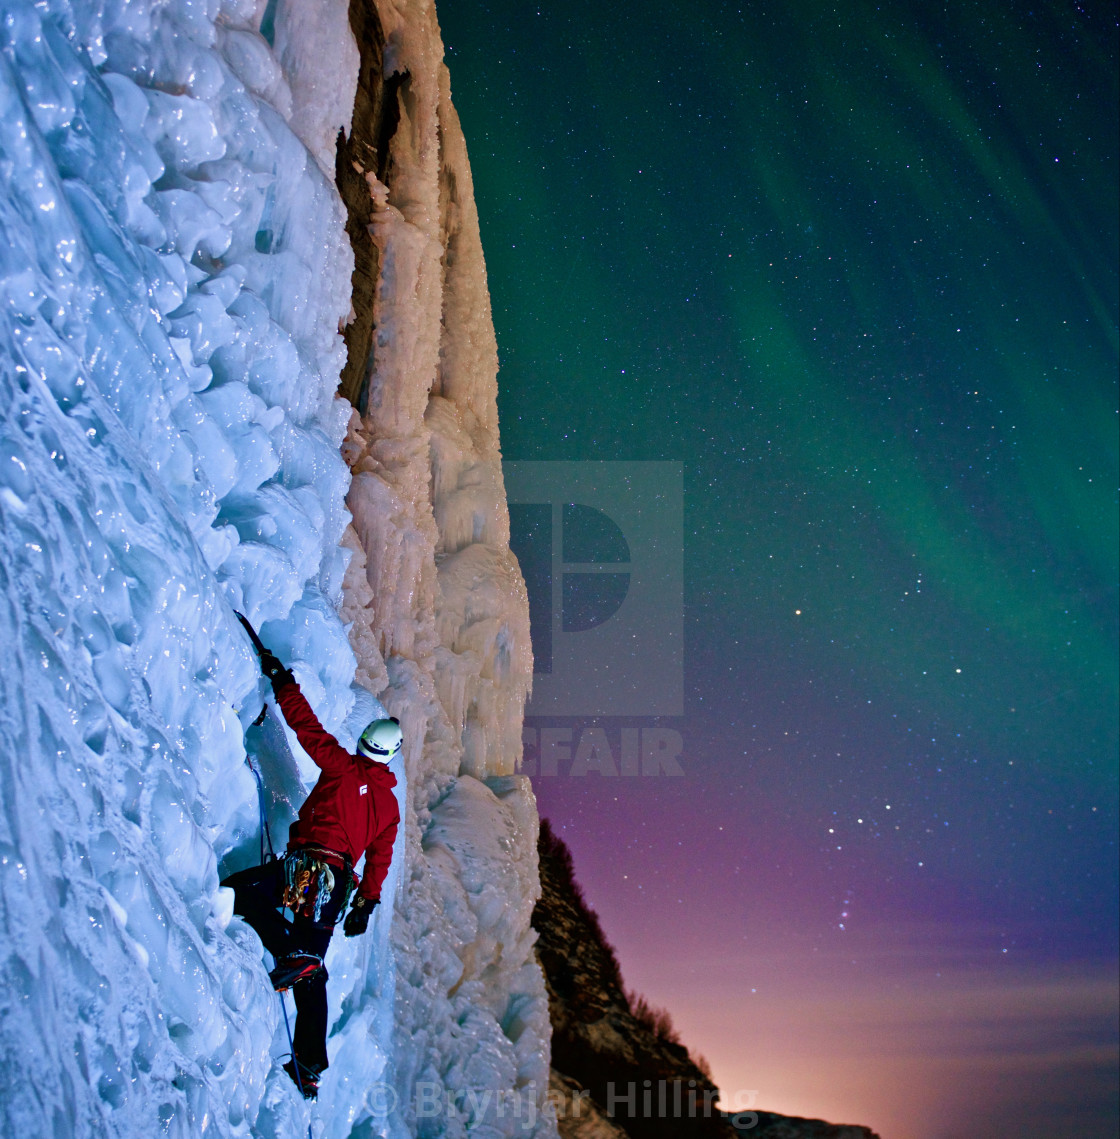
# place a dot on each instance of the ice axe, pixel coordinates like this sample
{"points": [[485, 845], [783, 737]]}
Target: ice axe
{"points": [[258, 644], [271, 664]]}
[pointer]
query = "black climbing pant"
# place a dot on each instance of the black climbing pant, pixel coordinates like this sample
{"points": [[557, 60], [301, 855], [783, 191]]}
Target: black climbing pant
{"points": [[258, 897]]}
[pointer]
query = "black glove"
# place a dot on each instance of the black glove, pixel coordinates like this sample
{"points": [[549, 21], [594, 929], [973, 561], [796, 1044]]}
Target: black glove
{"points": [[358, 918], [273, 667]]}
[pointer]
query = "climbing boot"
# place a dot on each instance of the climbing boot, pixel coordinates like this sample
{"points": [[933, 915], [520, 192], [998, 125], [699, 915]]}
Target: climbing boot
{"points": [[306, 1079], [295, 967]]}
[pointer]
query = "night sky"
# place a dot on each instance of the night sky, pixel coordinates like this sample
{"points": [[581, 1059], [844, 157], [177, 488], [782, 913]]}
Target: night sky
{"points": [[855, 267]]}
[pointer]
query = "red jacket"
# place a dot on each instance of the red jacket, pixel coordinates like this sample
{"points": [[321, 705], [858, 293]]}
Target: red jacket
{"points": [[351, 809]]}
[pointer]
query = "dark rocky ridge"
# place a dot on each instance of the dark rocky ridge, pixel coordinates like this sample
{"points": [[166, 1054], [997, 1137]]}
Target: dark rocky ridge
{"points": [[771, 1126], [604, 1056]]}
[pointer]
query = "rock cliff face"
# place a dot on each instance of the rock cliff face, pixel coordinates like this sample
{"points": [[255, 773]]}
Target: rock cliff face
{"points": [[618, 1071], [434, 601]]}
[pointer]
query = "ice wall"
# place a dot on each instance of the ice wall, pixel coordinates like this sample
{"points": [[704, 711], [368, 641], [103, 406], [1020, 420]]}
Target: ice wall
{"points": [[173, 275]]}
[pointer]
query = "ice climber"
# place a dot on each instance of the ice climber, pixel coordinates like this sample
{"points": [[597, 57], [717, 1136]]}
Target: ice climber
{"points": [[351, 811]]}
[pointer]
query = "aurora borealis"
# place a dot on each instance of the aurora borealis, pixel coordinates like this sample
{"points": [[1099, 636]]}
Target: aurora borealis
{"points": [[855, 268]]}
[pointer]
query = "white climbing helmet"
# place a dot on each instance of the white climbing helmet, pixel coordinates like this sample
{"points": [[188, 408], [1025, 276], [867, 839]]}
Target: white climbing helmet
{"points": [[381, 741]]}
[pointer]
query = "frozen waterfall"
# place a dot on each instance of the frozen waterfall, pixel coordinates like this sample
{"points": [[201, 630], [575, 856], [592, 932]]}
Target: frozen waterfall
{"points": [[175, 271]]}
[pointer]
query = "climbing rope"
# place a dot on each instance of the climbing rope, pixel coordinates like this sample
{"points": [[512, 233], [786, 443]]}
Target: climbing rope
{"points": [[266, 834], [295, 1062]]}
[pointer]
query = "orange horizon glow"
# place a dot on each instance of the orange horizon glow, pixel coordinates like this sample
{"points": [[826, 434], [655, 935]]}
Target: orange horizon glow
{"points": [[888, 1054]]}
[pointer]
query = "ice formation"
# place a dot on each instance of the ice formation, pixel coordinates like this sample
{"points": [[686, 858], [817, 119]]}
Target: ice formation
{"points": [[174, 271]]}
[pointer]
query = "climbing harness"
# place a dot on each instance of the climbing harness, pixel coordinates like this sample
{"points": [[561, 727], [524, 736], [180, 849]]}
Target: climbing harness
{"points": [[308, 883]]}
